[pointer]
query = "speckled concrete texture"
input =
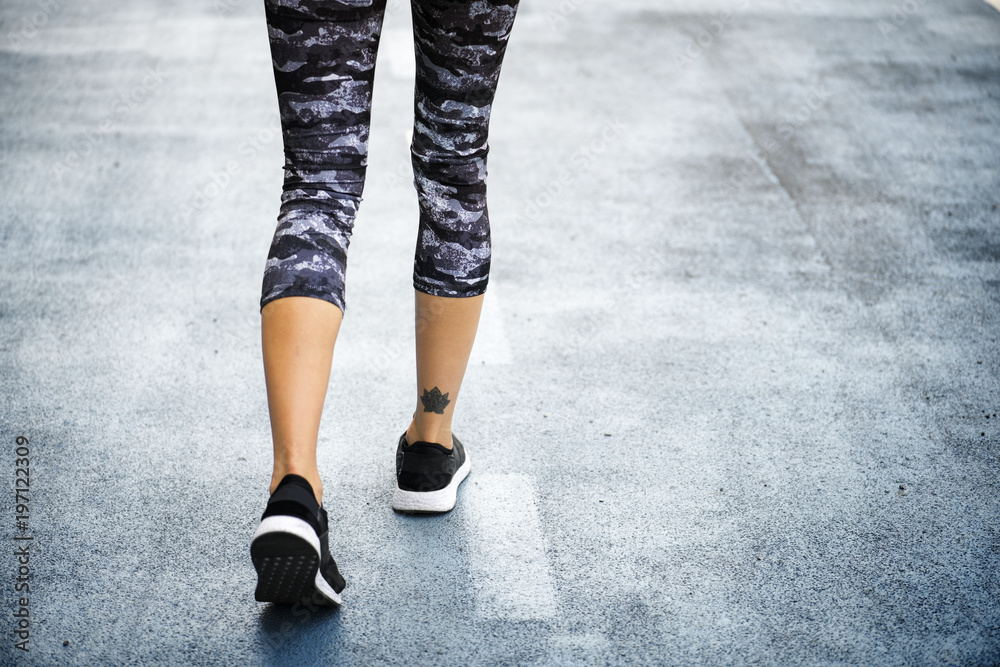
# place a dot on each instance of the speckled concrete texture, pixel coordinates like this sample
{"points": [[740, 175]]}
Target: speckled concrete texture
{"points": [[735, 395]]}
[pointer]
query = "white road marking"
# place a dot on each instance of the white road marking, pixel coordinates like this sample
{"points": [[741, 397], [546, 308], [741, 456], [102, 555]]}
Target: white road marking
{"points": [[491, 345], [396, 49], [510, 573]]}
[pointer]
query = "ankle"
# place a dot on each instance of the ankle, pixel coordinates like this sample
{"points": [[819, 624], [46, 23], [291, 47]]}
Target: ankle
{"points": [[311, 476], [438, 434]]}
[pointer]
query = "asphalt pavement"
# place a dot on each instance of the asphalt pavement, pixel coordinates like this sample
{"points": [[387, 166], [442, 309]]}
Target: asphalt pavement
{"points": [[734, 399]]}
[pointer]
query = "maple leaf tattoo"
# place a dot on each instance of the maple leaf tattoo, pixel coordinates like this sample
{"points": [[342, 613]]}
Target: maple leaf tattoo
{"points": [[434, 401]]}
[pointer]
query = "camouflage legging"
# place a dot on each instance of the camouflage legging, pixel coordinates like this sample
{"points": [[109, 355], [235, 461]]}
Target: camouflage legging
{"points": [[323, 52]]}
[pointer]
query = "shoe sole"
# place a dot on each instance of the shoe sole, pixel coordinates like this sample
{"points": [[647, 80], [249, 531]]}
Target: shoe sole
{"points": [[431, 502], [285, 553]]}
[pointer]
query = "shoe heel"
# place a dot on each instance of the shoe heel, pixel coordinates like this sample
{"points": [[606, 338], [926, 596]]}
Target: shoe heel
{"points": [[286, 568]]}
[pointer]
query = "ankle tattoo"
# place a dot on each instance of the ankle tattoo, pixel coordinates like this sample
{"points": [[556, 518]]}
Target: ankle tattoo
{"points": [[434, 401]]}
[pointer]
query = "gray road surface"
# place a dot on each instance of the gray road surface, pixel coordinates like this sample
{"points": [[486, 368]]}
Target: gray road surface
{"points": [[735, 395]]}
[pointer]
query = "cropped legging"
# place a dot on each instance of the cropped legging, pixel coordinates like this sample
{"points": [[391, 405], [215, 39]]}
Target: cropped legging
{"points": [[323, 53]]}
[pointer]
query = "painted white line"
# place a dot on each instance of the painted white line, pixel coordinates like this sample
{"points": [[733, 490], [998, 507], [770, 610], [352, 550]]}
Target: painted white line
{"points": [[510, 573], [491, 345], [994, 3], [396, 48]]}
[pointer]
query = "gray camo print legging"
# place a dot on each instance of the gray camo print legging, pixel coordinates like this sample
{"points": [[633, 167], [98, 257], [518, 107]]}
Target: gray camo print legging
{"points": [[323, 54]]}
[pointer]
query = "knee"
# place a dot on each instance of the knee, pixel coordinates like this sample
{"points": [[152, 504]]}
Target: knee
{"points": [[449, 130], [460, 179]]}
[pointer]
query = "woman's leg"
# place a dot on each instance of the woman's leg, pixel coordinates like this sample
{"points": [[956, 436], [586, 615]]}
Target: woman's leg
{"points": [[459, 50], [446, 329], [323, 53], [297, 336]]}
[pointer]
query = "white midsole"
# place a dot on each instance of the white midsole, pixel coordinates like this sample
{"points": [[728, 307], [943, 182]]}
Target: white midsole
{"points": [[288, 524], [325, 589], [441, 500], [299, 528]]}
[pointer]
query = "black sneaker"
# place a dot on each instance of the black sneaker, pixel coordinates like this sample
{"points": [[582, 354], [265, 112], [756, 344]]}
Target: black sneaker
{"points": [[290, 549], [428, 475]]}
